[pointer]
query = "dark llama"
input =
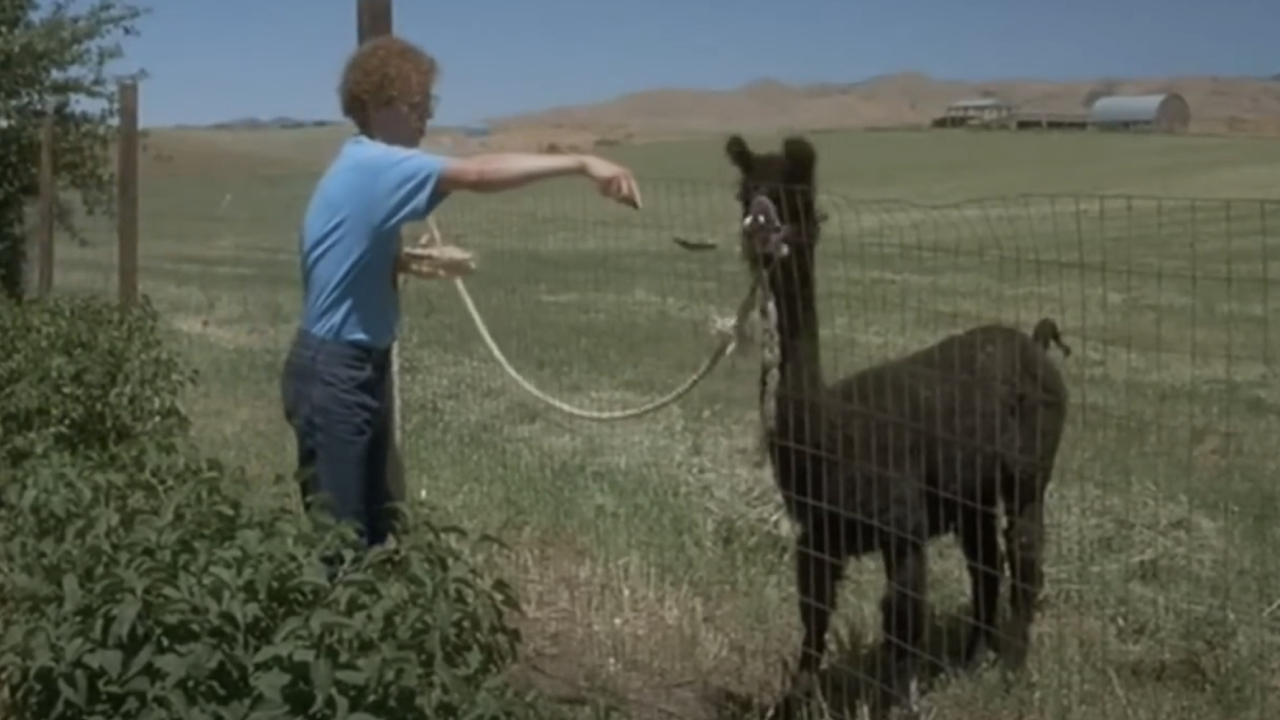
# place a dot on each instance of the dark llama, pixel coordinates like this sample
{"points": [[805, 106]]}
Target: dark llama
{"points": [[927, 444]]}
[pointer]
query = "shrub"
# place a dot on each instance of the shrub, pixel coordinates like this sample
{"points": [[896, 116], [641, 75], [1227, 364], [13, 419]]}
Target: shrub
{"points": [[85, 376], [139, 582], [174, 592]]}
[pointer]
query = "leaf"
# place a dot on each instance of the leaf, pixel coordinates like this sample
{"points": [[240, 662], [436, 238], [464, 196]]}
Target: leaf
{"points": [[270, 712], [140, 661], [139, 686], [324, 620], [271, 684], [108, 661], [126, 614], [354, 678], [271, 652], [173, 666], [321, 681], [70, 592]]}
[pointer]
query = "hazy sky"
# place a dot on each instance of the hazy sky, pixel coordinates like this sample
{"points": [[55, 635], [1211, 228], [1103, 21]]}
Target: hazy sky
{"points": [[232, 58]]}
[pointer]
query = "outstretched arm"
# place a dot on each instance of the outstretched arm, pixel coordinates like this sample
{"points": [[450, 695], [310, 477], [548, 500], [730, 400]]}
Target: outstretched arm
{"points": [[506, 171], [416, 182]]}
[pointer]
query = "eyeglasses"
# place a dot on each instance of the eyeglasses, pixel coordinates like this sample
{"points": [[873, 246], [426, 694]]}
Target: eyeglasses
{"points": [[424, 108]]}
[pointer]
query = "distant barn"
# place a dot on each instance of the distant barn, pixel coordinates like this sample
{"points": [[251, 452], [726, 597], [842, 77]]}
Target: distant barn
{"points": [[1168, 112], [986, 110]]}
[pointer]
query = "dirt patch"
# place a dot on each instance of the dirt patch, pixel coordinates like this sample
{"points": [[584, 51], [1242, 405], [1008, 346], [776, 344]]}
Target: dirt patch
{"points": [[609, 638], [613, 638]]}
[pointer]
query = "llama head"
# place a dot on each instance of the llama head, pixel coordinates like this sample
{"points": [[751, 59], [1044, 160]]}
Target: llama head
{"points": [[777, 195]]}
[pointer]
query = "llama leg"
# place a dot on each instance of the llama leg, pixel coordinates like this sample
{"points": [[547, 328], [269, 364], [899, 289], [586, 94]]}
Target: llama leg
{"points": [[1024, 539], [818, 572], [979, 536], [903, 615]]}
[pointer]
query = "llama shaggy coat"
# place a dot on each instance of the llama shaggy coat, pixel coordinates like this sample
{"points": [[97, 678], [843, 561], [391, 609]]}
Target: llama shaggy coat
{"points": [[926, 444]]}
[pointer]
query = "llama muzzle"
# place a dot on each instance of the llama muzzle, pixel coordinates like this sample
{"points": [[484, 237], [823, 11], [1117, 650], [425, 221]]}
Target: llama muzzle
{"points": [[763, 234]]}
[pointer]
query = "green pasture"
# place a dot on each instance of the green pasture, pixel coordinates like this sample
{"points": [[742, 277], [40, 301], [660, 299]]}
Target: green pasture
{"points": [[651, 554]]}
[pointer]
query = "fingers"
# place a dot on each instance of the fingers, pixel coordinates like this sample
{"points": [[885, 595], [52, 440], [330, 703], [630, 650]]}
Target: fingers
{"points": [[632, 193], [615, 182], [623, 189]]}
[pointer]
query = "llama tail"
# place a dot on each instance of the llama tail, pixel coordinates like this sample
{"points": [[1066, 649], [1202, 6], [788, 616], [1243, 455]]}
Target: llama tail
{"points": [[1046, 333]]}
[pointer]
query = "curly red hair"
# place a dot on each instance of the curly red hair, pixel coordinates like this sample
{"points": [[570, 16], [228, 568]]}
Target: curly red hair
{"points": [[387, 72]]}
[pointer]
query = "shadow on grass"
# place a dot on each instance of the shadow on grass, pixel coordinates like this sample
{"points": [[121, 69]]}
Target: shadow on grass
{"points": [[858, 681], [855, 684]]}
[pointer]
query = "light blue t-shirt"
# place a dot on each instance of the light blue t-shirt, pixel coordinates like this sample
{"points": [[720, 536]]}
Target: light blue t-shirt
{"points": [[351, 233]]}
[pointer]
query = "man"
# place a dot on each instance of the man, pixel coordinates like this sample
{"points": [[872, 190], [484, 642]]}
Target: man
{"points": [[335, 377]]}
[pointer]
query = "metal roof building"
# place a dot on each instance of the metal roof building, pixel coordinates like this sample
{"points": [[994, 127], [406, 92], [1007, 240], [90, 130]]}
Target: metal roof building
{"points": [[978, 104], [983, 110], [1168, 112]]}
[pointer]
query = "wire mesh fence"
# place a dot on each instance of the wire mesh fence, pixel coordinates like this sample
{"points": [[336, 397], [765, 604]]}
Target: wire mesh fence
{"points": [[219, 260], [655, 556], [85, 260], [660, 550], [74, 246]]}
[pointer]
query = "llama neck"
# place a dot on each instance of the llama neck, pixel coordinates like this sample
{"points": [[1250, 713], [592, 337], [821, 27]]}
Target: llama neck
{"points": [[792, 288]]}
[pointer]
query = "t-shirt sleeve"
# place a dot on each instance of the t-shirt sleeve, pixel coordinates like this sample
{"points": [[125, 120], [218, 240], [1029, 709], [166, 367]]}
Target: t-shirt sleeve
{"points": [[409, 186]]}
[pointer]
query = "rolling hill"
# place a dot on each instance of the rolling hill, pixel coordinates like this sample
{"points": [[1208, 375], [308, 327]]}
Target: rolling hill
{"points": [[885, 101]]}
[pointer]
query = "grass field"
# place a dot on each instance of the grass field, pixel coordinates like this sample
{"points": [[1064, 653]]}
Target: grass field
{"points": [[650, 556]]}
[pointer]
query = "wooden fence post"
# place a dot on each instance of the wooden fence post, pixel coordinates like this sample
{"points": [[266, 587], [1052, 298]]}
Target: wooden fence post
{"points": [[48, 197], [127, 193], [373, 19]]}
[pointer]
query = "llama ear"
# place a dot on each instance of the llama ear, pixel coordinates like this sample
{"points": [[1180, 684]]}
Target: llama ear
{"points": [[739, 154], [800, 155]]}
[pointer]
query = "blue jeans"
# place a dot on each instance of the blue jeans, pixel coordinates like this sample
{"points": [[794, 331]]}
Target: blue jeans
{"points": [[335, 399]]}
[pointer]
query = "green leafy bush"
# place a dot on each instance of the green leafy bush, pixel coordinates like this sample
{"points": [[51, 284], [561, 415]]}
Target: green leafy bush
{"points": [[85, 376], [175, 593], [139, 582]]}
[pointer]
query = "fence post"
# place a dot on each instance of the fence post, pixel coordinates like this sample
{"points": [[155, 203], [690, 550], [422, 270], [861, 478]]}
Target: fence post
{"points": [[127, 193], [48, 196], [373, 19]]}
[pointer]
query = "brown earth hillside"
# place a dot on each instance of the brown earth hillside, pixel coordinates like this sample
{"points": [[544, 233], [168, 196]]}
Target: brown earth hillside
{"points": [[895, 100]]}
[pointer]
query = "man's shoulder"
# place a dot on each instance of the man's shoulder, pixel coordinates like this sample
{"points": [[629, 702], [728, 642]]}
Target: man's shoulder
{"points": [[363, 166], [361, 151], [355, 166]]}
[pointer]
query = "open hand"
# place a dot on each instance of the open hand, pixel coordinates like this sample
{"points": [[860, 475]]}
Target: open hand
{"points": [[614, 181]]}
